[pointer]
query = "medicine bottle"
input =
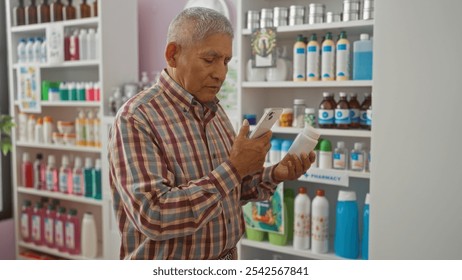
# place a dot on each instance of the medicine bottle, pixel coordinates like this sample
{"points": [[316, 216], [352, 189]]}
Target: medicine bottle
{"points": [[299, 113]]}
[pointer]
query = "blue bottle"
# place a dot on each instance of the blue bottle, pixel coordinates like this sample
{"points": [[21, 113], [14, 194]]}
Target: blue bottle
{"points": [[88, 177], [96, 180], [362, 58], [346, 242], [365, 240]]}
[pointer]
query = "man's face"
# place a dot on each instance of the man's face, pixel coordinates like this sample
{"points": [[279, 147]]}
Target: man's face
{"points": [[201, 68]]}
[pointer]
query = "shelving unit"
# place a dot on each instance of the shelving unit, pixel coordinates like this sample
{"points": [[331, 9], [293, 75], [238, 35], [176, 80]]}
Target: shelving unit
{"points": [[117, 64], [254, 97]]}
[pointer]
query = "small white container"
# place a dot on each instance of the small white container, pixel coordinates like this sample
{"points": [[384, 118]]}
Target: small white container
{"points": [[302, 220], [320, 223], [89, 236]]}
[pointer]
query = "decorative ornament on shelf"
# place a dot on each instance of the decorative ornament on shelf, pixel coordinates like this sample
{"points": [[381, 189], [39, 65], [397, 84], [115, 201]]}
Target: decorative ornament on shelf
{"points": [[6, 124]]}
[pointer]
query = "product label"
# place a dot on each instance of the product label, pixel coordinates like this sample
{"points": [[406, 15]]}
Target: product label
{"points": [[77, 186], [342, 47], [326, 116], [312, 67], [36, 228], [363, 117], [327, 49], [49, 225], [339, 161], [327, 63], [70, 235], [320, 228], [357, 161], [342, 116], [63, 182], [369, 117], [343, 61], [49, 180], [59, 233], [354, 115], [25, 225], [300, 50], [302, 225], [299, 63]]}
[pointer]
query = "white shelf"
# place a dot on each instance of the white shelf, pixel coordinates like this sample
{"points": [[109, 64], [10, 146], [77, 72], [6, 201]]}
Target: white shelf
{"points": [[323, 131], [67, 103], [65, 64], [59, 147], [315, 84], [53, 252], [42, 26], [61, 196], [288, 249]]}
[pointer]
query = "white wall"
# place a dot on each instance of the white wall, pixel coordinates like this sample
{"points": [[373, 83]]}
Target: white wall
{"points": [[416, 184]]}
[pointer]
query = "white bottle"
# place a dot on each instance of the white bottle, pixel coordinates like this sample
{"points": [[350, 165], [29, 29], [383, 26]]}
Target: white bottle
{"points": [[80, 134], [89, 236], [302, 220], [22, 127], [47, 130], [91, 44], [37, 50], [299, 73], [38, 138], [325, 154], [89, 129], [96, 44], [43, 52], [96, 129], [22, 54], [83, 44], [65, 175], [343, 58], [340, 156], [78, 181], [31, 129], [30, 50], [320, 223], [312, 59], [328, 59], [357, 157]]}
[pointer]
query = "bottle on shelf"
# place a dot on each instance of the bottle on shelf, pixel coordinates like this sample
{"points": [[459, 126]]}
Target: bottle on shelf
{"points": [[88, 177], [39, 131], [83, 44], [325, 154], [312, 59], [21, 51], [343, 58], [328, 58], [299, 74], [299, 113], [310, 117], [77, 177], [354, 111], [326, 114], [340, 156], [43, 51], [56, 11], [91, 44], [369, 117], [27, 171], [80, 132], [31, 12], [342, 112], [362, 58], [346, 242], [30, 50], [80, 91], [52, 175], [36, 48], [60, 229], [89, 129], [38, 228], [363, 110], [72, 233], [74, 51], [31, 128], [49, 223], [275, 151], [65, 176], [320, 223], [95, 8], [89, 236], [96, 180], [39, 169], [70, 11], [19, 14], [365, 239], [26, 221], [357, 157], [85, 9], [285, 146], [302, 226], [44, 12], [96, 129]]}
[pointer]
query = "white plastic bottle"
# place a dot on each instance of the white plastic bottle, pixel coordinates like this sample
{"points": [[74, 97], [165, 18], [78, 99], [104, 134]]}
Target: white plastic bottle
{"points": [[22, 54], [22, 127], [43, 51], [89, 129], [30, 50], [320, 223], [38, 138], [37, 50], [299, 74], [47, 129], [312, 59], [357, 157], [302, 224], [89, 237], [31, 129], [52, 175], [343, 58], [328, 58], [91, 44], [65, 176], [83, 44], [340, 156]]}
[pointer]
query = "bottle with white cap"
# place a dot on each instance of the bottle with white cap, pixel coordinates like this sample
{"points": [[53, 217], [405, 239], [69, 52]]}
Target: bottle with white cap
{"points": [[320, 223], [340, 156], [65, 176], [346, 242], [302, 225], [88, 177], [52, 174], [89, 237], [365, 240], [362, 58], [96, 177], [83, 44], [78, 181], [357, 157]]}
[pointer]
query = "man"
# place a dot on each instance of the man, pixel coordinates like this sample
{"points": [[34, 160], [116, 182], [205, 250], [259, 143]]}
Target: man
{"points": [[178, 173]]}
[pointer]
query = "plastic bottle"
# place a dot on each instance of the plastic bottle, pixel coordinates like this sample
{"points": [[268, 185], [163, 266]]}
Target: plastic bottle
{"points": [[89, 92], [47, 129], [299, 74], [96, 180], [43, 52], [305, 141], [340, 156], [88, 177], [285, 146], [30, 50], [354, 110], [325, 154], [78, 182], [56, 11], [19, 14], [39, 172], [326, 116], [357, 157], [89, 236], [60, 229], [363, 110], [328, 59], [343, 58], [80, 91], [72, 90], [44, 12], [346, 242], [38, 228], [49, 223], [26, 221], [369, 117], [312, 59], [342, 112], [275, 151], [85, 9], [31, 12], [91, 44], [31, 128], [73, 232], [365, 239], [52, 175], [89, 129], [65, 176], [320, 223], [21, 51], [36, 49], [97, 89], [27, 172], [83, 45], [302, 220], [69, 11], [362, 58], [80, 132], [96, 129], [299, 113], [310, 117], [38, 138], [74, 51]]}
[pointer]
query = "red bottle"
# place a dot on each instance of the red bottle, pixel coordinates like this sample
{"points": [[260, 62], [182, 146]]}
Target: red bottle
{"points": [[49, 221], [27, 171], [26, 221], [60, 230], [73, 233], [74, 50], [38, 228]]}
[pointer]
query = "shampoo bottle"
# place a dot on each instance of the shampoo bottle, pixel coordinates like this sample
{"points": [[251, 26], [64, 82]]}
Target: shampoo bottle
{"points": [[302, 218], [299, 73], [343, 58]]}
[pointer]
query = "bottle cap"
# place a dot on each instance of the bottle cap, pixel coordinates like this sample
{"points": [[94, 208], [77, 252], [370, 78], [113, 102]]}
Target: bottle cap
{"points": [[51, 207], [340, 144], [73, 212], [88, 162], [343, 35], [39, 121], [300, 38], [342, 94], [311, 132], [364, 36], [325, 146], [358, 146], [27, 203], [39, 156], [77, 162], [65, 160], [320, 192], [62, 210], [301, 190], [47, 119], [325, 94], [276, 144], [25, 157], [98, 163], [299, 101], [51, 159], [55, 201], [313, 37], [38, 204], [346, 196], [328, 36], [368, 199], [353, 95], [91, 115]]}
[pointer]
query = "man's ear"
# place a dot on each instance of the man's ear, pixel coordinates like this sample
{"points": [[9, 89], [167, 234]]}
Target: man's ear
{"points": [[171, 54]]}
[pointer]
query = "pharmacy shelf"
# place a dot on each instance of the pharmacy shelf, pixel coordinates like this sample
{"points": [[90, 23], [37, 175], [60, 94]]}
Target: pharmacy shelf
{"points": [[108, 120], [43, 26], [53, 252], [65, 64], [357, 26], [60, 196], [288, 249], [316, 84], [323, 131], [66, 103], [59, 147]]}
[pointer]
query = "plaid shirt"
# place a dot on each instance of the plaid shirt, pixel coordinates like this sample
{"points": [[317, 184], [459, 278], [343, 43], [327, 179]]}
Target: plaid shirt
{"points": [[176, 194]]}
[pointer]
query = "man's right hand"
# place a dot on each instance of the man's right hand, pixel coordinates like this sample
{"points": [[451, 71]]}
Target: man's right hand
{"points": [[248, 155]]}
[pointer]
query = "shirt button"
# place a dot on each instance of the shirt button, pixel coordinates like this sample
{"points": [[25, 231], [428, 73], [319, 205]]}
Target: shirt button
{"points": [[229, 221], [214, 156]]}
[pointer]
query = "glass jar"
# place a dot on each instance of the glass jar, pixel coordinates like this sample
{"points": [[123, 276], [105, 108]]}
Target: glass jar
{"points": [[299, 113]]}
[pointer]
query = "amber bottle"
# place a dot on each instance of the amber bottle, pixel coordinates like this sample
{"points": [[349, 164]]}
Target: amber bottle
{"points": [[363, 110], [32, 12], [57, 10], [70, 11], [44, 12], [95, 8], [20, 13], [342, 112], [354, 110], [85, 9], [326, 112]]}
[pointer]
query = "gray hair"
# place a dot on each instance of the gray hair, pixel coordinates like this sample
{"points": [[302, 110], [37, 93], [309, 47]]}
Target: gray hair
{"points": [[196, 24]]}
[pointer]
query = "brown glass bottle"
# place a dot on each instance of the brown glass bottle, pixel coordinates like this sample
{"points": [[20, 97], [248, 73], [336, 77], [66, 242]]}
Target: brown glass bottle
{"points": [[354, 110], [326, 112], [363, 110], [57, 10], [44, 12], [20, 13], [85, 9], [342, 112], [32, 13], [70, 11], [95, 8]]}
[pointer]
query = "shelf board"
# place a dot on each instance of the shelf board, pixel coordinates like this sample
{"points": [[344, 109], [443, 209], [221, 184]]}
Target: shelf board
{"points": [[59, 147], [288, 249], [61, 196], [322, 131], [66, 103], [359, 26], [53, 252], [315, 84], [41, 27], [65, 64]]}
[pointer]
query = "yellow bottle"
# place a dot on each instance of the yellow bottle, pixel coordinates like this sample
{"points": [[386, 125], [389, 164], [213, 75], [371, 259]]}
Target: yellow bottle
{"points": [[80, 133], [312, 59], [89, 129], [328, 59], [343, 58]]}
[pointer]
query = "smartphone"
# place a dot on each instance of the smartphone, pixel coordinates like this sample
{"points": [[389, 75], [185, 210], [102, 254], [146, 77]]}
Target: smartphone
{"points": [[266, 122]]}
